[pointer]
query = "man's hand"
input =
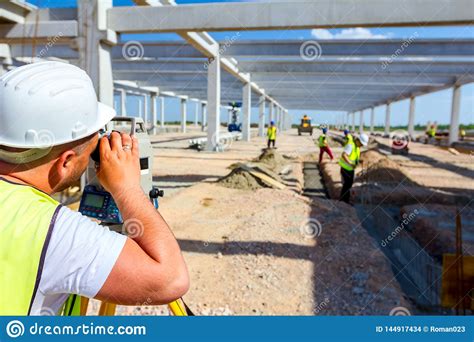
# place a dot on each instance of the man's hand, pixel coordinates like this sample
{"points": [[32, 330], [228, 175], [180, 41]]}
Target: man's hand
{"points": [[119, 169], [150, 268]]}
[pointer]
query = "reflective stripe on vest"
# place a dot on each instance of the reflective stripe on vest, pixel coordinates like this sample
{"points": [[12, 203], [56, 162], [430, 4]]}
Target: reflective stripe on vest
{"points": [[27, 218], [353, 157], [271, 133], [322, 140]]}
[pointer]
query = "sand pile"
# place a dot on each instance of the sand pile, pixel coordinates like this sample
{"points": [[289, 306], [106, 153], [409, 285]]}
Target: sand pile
{"points": [[269, 163], [383, 170], [272, 159], [241, 179]]}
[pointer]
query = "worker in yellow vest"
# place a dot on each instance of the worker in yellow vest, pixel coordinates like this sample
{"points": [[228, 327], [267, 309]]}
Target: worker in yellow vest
{"points": [[271, 134], [348, 162], [49, 254], [347, 137], [324, 146]]}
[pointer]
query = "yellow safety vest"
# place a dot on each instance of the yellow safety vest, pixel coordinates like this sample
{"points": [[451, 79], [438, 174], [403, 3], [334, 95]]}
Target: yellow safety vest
{"points": [[348, 139], [353, 157], [271, 133], [27, 217], [322, 140], [432, 132]]}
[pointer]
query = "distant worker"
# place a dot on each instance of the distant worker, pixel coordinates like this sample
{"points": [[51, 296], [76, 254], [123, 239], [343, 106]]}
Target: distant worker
{"points": [[431, 133], [324, 146], [462, 133], [348, 162], [271, 134], [347, 137]]}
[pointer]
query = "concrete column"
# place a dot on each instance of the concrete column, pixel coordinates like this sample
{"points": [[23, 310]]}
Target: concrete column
{"points": [[387, 120], [203, 116], [154, 113], [261, 117], [140, 108], [196, 113], [145, 109], [213, 103], [246, 111], [162, 112], [372, 119], [123, 102], [95, 45], [361, 122], [411, 118], [353, 122], [271, 112], [455, 109], [183, 115]]}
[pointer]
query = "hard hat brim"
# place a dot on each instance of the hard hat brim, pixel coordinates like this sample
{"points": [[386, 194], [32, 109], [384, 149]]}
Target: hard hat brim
{"points": [[105, 114]]}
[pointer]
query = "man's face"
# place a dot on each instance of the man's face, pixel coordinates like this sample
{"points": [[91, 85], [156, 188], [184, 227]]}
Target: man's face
{"points": [[72, 169]]}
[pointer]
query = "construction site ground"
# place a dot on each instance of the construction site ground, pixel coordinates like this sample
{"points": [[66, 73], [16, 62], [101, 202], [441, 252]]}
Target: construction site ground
{"points": [[267, 251]]}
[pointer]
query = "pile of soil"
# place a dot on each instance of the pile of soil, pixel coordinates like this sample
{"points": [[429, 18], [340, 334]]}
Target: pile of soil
{"points": [[435, 228], [383, 170], [241, 179], [272, 159]]}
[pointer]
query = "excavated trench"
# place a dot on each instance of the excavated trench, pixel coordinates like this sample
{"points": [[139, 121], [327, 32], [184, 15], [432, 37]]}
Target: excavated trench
{"points": [[416, 271]]}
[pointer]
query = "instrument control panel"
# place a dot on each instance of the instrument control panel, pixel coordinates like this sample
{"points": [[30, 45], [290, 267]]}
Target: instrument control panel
{"points": [[99, 204]]}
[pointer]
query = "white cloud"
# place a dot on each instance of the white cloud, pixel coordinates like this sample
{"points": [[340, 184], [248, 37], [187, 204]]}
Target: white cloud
{"points": [[351, 33]]}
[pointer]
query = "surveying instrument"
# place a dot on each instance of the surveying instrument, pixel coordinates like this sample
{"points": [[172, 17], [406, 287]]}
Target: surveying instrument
{"points": [[99, 204]]}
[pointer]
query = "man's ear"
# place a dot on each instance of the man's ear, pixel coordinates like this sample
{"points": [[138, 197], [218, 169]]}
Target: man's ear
{"points": [[63, 163]]}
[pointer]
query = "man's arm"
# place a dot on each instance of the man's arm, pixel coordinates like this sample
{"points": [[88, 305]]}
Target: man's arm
{"points": [[150, 268]]}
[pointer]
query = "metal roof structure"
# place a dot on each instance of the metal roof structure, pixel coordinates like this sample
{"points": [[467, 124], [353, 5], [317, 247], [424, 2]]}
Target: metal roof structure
{"points": [[339, 75]]}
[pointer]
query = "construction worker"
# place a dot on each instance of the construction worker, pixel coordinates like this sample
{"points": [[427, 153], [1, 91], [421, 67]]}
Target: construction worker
{"points": [[271, 134], [50, 121], [324, 146], [347, 137], [348, 162], [462, 133]]}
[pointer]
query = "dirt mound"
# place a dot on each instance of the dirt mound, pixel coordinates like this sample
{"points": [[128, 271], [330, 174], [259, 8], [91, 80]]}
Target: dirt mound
{"points": [[241, 179], [383, 170], [272, 159], [369, 157]]}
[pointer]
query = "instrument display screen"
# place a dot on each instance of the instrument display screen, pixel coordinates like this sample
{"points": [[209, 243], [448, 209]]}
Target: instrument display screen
{"points": [[93, 200]]}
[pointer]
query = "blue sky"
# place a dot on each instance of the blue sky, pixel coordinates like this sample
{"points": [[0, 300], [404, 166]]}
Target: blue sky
{"points": [[431, 107]]}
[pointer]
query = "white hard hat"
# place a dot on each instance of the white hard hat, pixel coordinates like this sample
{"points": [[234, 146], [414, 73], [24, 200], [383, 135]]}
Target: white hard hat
{"points": [[47, 104], [364, 139]]}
